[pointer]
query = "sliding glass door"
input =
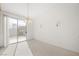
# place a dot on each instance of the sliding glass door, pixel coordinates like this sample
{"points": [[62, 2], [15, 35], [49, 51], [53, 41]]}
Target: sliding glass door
{"points": [[16, 30]]}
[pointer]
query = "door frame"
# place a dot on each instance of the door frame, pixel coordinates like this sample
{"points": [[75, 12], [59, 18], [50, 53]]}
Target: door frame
{"points": [[6, 30]]}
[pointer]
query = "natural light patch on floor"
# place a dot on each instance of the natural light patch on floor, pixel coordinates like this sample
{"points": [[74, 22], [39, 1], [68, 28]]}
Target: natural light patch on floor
{"points": [[22, 49]]}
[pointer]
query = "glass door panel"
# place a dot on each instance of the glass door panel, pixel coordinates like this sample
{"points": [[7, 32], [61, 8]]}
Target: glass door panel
{"points": [[12, 30], [21, 30]]}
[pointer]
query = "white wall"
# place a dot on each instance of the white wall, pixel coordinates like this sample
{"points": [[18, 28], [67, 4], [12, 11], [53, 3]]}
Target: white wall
{"points": [[45, 18], [1, 30]]}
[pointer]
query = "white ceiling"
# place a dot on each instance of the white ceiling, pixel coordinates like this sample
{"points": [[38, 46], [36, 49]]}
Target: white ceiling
{"points": [[16, 8]]}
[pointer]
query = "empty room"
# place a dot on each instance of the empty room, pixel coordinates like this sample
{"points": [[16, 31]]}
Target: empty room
{"points": [[39, 29]]}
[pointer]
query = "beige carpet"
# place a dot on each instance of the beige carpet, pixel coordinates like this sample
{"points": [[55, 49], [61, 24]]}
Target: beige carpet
{"points": [[39, 48]]}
